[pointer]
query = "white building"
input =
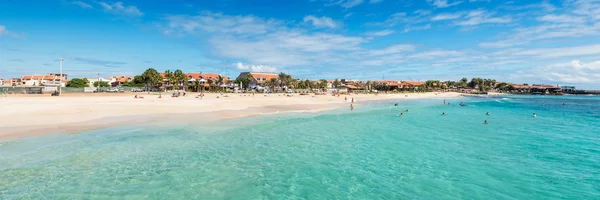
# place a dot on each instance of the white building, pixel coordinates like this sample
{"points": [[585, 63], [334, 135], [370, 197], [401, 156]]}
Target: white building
{"points": [[94, 80]]}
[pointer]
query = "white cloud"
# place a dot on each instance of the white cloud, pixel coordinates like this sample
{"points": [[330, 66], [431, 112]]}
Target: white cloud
{"points": [[443, 3], [119, 8], [347, 3], [572, 72], [321, 21], [561, 19], [348, 15], [374, 1], [82, 4], [3, 30], [561, 52], [394, 49], [219, 23], [422, 12], [434, 54], [446, 16], [480, 16], [380, 33], [417, 28], [255, 68]]}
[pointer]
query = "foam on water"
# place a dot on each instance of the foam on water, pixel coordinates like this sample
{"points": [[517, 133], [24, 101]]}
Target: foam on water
{"points": [[368, 153]]}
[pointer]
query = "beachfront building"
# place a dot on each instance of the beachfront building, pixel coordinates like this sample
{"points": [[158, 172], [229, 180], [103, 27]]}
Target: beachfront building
{"points": [[259, 79], [12, 82], [100, 79], [46, 80], [410, 85], [119, 80], [568, 89], [1, 81]]}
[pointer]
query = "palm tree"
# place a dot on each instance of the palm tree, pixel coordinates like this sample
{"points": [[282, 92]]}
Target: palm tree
{"points": [[151, 77], [249, 79], [220, 81], [272, 83], [337, 83], [179, 78]]}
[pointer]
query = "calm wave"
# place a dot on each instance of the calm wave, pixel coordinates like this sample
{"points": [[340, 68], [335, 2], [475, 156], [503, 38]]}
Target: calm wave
{"points": [[369, 153]]}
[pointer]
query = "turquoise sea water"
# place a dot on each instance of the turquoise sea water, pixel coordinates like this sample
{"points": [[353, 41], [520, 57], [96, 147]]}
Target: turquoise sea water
{"points": [[369, 153]]}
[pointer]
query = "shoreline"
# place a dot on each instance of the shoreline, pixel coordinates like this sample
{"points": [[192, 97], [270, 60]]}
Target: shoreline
{"points": [[30, 116]]}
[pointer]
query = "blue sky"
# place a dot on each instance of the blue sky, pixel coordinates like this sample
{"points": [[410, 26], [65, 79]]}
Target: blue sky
{"points": [[530, 41]]}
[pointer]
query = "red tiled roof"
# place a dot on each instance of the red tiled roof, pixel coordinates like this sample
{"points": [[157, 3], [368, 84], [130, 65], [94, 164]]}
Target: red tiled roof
{"points": [[196, 76], [264, 75], [413, 83], [211, 76]]}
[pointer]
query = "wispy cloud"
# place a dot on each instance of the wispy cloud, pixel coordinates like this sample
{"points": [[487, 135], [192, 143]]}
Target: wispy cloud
{"points": [[119, 8], [579, 19], [255, 68], [5, 32], [15, 60], [82, 4], [446, 16], [417, 28], [321, 22], [374, 1], [99, 62], [443, 3], [575, 71], [480, 16], [345, 3], [380, 33]]}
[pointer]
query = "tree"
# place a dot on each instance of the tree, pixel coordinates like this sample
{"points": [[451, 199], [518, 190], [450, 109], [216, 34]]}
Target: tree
{"points": [[78, 83], [179, 78], [101, 84], [151, 77], [220, 81], [463, 82], [272, 83], [322, 84], [137, 81], [337, 83]]}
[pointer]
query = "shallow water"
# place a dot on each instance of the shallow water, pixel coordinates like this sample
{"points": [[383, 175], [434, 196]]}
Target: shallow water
{"points": [[369, 153]]}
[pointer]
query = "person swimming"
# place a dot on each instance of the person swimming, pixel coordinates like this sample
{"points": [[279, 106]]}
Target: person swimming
{"points": [[401, 114], [534, 115], [485, 122], [487, 113], [406, 110], [396, 104], [443, 113]]}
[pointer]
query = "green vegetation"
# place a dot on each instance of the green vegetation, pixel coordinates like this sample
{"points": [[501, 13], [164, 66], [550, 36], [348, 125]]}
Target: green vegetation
{"points": [[151, 78], [78, 83], [101, 84]]}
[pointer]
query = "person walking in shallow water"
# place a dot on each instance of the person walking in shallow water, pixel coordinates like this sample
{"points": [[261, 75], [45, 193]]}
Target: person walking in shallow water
{"points": [[351, 106]]}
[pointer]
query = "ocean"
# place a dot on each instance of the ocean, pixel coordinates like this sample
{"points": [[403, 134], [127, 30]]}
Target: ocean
{"points": [[368, 153]]}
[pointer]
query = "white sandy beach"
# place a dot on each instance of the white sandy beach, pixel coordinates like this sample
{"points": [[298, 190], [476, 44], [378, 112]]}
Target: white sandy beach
{"points": [[25, 115]]}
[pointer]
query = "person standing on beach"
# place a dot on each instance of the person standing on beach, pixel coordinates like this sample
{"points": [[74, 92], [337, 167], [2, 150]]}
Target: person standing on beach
{"points": [[352, 99]]}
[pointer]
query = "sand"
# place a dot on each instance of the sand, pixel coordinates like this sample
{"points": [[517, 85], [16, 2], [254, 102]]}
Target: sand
{"points": [[27, 115]]}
